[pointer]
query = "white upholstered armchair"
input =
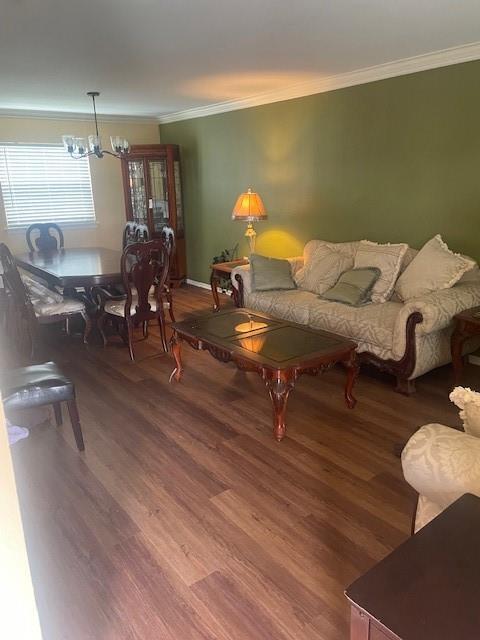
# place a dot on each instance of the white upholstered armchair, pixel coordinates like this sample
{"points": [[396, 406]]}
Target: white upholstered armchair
{"points": [[442, 463]]}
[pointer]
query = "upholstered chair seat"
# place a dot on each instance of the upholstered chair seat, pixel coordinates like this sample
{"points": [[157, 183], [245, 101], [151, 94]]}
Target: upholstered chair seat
{"points": [[34, 386], [117, 307], [66, 306], [50, 303], [39, 385]]}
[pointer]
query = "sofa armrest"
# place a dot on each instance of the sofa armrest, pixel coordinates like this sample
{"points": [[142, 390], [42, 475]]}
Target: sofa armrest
{"points": [[439, 307], [442, 463], [243, 272]]}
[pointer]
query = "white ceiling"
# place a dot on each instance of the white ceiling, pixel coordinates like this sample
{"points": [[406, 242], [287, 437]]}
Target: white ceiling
{"points": [[155, 57]]}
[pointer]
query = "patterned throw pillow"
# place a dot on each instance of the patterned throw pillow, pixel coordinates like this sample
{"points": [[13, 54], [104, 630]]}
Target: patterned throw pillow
{"points": [[386, 257], [434, 267], [468, 402], [324, 264], [354, 287]]}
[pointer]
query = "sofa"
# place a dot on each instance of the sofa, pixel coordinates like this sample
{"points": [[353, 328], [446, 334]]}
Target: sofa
{"points": [[442, 463], [405, 339]]}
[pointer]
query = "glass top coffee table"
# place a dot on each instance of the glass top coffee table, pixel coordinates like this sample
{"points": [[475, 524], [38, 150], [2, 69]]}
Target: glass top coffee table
{"points": [[279, 351]]}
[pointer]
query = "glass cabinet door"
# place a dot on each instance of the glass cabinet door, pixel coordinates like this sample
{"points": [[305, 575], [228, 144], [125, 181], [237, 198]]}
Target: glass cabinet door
{"points": [[159, 206], [138, 193]]}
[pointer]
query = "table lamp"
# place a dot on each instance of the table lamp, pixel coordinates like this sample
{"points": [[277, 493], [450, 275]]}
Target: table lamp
{"points": [[249, 208]]}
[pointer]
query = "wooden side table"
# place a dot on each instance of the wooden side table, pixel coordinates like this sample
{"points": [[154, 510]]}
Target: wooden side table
{"points": [[428, 588], [467, 325], [223, 270]]}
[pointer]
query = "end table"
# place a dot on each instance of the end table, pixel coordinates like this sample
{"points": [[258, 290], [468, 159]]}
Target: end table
{"points": [[428, 588], [467, 325], [223, 270]]}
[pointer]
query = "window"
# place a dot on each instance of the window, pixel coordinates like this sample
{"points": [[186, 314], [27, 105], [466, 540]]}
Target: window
{"points": [[41, 183]]}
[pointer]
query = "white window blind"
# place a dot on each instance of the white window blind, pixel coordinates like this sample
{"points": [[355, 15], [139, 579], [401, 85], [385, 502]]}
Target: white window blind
{"points": [[41, 183]]}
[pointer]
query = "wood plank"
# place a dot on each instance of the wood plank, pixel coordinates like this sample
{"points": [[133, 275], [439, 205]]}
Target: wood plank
{"points": [[185, 520]]}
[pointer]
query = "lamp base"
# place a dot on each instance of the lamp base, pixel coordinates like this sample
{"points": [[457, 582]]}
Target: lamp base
{"points": [[251, 236]]}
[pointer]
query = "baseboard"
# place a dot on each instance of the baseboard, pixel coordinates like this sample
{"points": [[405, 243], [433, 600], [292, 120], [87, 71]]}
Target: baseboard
{"points": [[204, 285], [196, 283]]}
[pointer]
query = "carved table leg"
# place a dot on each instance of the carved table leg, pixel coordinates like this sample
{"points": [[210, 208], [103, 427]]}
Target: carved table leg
{"points": [[213, 285], [175, 343], [352, 373], [279, 388], [456, 345]]}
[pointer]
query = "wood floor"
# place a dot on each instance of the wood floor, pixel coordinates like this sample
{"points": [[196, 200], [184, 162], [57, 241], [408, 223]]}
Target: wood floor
{"points": [[185, 520]]}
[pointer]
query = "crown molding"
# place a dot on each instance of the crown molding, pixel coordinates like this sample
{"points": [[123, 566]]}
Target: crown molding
{"points": [[322, 84], [67, 115]]}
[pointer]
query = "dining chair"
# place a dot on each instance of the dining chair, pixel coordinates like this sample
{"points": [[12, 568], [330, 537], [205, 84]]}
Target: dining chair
{"points": [[132, 232], [39, 385], [145, 268], [45, 241], [32, 304]]}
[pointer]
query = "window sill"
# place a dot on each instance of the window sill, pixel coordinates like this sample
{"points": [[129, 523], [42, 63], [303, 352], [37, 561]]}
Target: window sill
{"points": [[63, 225]]}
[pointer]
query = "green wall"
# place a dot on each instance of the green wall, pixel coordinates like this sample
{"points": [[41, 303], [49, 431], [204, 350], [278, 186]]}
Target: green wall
{"points": [[394, 160]]}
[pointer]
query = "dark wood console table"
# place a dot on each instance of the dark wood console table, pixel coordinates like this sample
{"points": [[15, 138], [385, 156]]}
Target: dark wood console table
{"points": [[467, 325], [279, 351], [429, 587]]}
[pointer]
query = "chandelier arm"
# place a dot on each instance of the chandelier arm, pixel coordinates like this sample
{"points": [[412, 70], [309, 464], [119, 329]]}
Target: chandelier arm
{"points": [[82, 155], [110, 153]]}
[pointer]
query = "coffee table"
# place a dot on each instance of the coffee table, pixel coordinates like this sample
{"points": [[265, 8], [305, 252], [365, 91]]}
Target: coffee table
{"points": [[279, 351]]}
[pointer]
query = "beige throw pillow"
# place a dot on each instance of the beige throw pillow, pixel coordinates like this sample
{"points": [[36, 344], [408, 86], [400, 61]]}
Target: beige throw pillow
{"points": [[469, 403], [434, 267], [324, 264], [386, 257], [270, 273], [354, 286]]}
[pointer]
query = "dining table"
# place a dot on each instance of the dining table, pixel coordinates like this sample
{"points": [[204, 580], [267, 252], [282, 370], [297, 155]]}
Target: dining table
{"points": [[75, 267]]}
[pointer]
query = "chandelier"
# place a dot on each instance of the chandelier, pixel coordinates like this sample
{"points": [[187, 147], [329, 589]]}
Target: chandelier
{"points": [[77, 147]]}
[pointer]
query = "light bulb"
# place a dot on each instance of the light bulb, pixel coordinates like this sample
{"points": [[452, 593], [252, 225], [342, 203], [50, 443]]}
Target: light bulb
{"points": [[94, 142], [80, 145], [68, 142]]}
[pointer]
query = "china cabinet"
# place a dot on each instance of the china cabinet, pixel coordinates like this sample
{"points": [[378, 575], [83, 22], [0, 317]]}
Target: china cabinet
{"points": [[153, 195]]}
